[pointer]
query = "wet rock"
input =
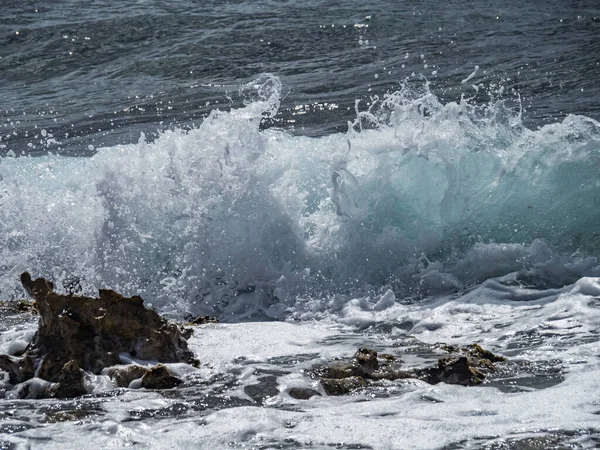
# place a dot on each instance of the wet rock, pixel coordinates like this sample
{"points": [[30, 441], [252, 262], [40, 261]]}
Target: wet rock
{"points": [[78, 334], [18, 306], [476, 351], [94, 331], [465, 366], [340, 369], [367, 359], [303, 393], [460, 370], [70, 382], [159, 377], [19, 368], [123, 375], [342, 386], [202, 320]]}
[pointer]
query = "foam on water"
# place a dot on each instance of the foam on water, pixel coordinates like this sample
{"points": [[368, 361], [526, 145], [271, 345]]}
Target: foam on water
{"points": [[418, 196], [407, 414]]}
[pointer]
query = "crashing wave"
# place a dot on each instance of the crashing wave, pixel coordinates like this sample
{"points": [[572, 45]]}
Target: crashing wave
{"points": [[229, 219]]}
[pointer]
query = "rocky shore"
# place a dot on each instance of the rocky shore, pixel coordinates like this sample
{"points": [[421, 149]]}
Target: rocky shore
{"points": [[82, 335]]}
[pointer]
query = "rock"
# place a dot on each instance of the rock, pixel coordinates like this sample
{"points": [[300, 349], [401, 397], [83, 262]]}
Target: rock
{"points": [[202, 320], [78, 334], [476, 351], [159, 377], [94, 331], [453, 370], [303, 393], [70, 382], [19, 369], [465, 366], [342, 386], [367, 359], [340, 369], [18, 306], [123, 375]]}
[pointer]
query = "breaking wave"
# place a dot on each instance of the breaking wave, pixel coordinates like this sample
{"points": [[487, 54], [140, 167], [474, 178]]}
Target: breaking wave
{"points": [[418, 196]]}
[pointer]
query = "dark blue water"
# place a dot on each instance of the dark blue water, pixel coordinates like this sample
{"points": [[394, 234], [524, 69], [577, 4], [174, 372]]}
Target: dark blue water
{"points": [[95, 73]]}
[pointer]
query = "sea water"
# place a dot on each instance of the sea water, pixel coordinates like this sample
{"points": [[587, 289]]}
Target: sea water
{"points": [[320, 178]]}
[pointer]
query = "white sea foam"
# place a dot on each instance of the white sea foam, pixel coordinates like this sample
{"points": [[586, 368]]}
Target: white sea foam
{"points": [[533, 327]]}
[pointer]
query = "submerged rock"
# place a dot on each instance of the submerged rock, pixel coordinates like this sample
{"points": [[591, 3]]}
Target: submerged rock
{"points": [[459, 370], [303, 393], [79, 334], [465, 366]]}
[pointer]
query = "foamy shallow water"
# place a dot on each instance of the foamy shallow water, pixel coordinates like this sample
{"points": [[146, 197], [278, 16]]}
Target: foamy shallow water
{"points": [[239, 397]]}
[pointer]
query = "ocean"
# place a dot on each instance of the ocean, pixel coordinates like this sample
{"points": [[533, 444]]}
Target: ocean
{"points": [[320, 177]]}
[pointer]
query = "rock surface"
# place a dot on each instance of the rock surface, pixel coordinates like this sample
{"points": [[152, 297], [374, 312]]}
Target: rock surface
{"points": [[79, 334], [465, 366], [159, 377]]}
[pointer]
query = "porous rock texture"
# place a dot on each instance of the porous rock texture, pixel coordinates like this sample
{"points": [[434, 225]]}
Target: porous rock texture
{"points": [[79, 334]]}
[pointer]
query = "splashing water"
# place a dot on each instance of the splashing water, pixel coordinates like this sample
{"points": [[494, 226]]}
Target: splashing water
{"points": [[419, 196]]}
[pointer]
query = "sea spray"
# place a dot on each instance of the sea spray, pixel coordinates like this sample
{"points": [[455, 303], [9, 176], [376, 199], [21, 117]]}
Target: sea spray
{"points": [[228, 219]]}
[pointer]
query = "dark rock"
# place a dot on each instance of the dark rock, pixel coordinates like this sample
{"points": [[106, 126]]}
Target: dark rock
{"points": [[70, 382], [340, 369], [123, 375], [303, 393], [465, 366], [159, 377], [367, 359], [94, 331], [18, 306], [19, 368], [202, 320], [461, 370], [476, 351], [342, 386], [78, 334]]}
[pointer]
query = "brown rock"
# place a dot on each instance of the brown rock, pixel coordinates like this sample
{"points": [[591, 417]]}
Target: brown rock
{"points": [[465, 366], [94, 331], [453, 370], [202, 320], [159, 377], [70, 382], [303, 393], [342, 386], [367, 359], [123, 375]]}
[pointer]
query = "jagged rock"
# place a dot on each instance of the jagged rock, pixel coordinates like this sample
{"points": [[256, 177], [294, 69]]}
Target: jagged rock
{"points": [[201, 320], [466, 366], [18, 306], [159, 377], [78, 334], [340, 369], [303, 393], [123, 375], [367, 359], [94, 331], [70, 382], [453, 370]]}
